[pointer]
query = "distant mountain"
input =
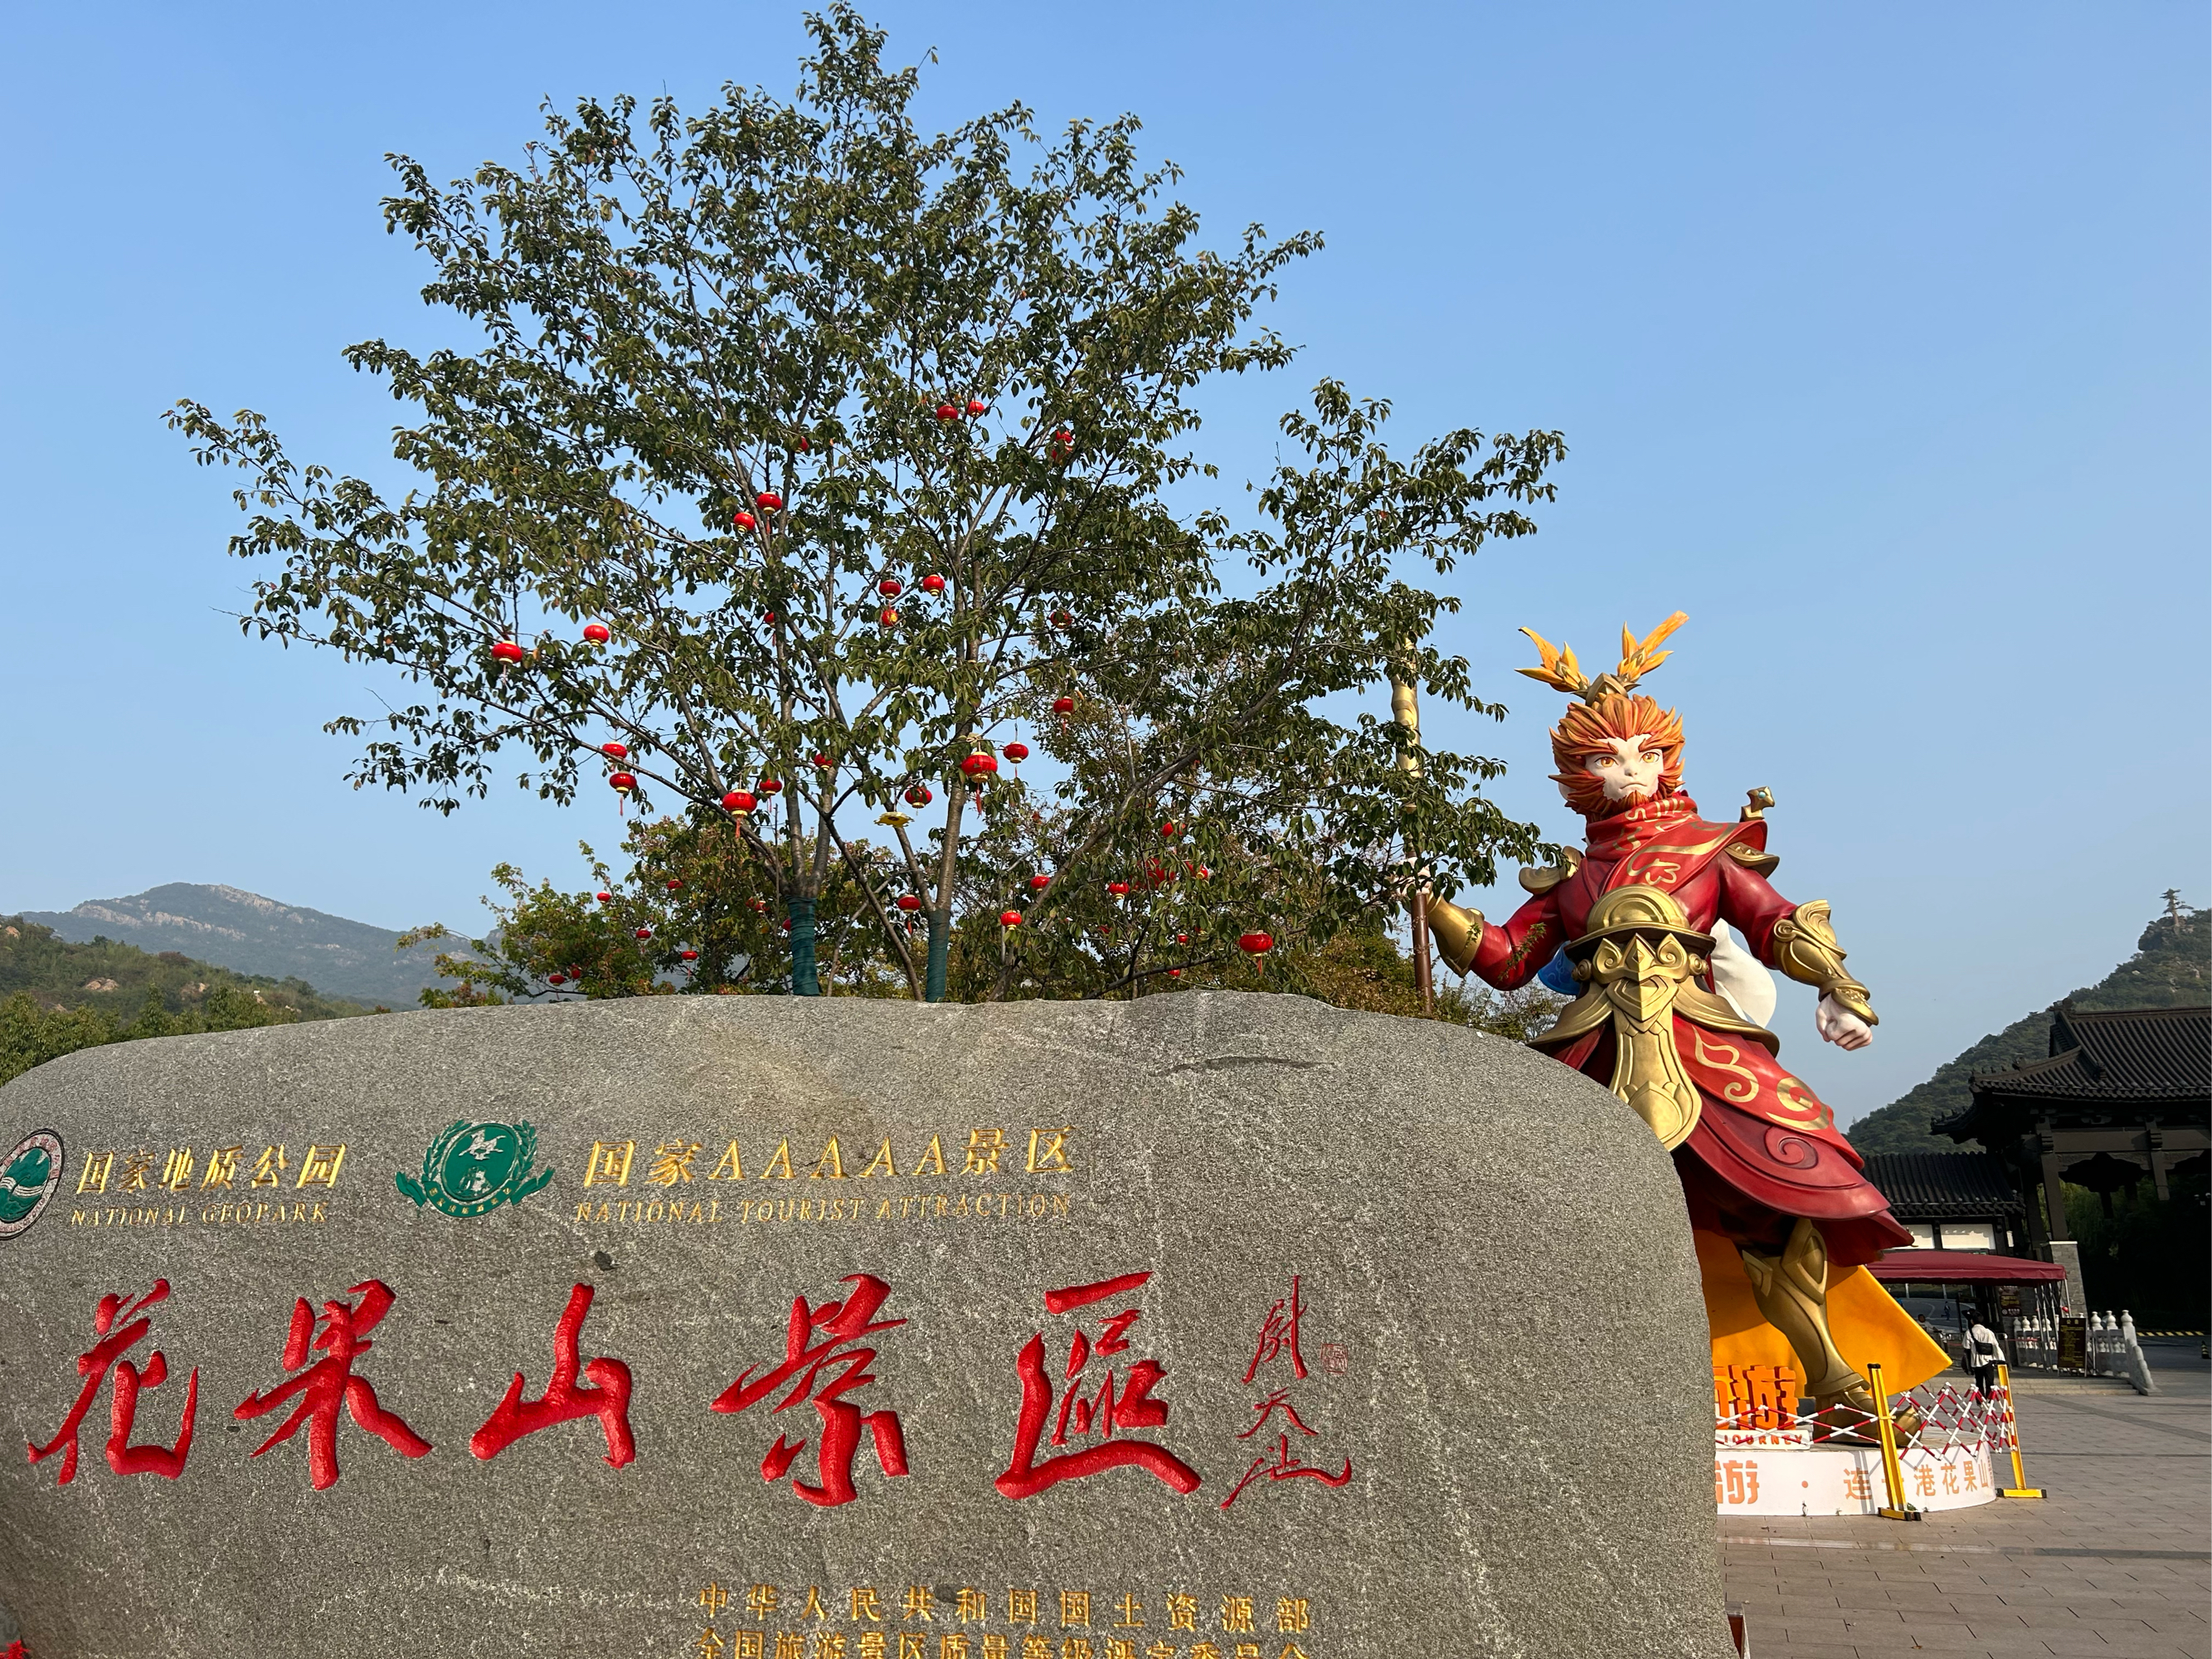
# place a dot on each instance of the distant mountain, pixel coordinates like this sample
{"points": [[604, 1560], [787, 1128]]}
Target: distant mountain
{"points": [[250, 934], [2168, 970]]}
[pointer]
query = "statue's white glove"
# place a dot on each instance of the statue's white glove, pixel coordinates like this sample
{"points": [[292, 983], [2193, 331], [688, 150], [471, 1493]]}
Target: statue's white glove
{"points": [[1839, 1025]]}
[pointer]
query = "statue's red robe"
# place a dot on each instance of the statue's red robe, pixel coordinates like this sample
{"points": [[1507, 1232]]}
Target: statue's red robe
{"points": [[1765, 1149]]}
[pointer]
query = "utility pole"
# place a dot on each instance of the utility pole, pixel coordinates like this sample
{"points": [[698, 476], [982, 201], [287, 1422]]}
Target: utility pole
{"points": [[1406, 710]]}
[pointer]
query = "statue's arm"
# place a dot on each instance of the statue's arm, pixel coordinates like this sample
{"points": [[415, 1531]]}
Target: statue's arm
{"points": [[1506, 954], [1795, 939]]}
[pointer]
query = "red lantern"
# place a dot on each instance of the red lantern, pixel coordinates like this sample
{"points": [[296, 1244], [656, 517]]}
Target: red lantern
{"points": [[769, 785], [920, 795], [556, 978], [979, 764], [1167, 832], [1017, 752], [767, 616], [1062, 618], [1182, 939], [507, 651], [645, 932], [1118, 889], [674, 885], [946, 412], [889, 588], [933, 583], [1157, 875], [690, 956], [1038, 883], [622, 781], [975, 406], [760, 906], [887, 617], [1063, 706], [785, 924], [1257, 943], [822, 761], [597, 633], [604, 898], [908, 902], [1175, 973], [767, 500], [1010, 918], [743, 520], [738, 800], [576, 974], [1203, 872], [614, 751]]}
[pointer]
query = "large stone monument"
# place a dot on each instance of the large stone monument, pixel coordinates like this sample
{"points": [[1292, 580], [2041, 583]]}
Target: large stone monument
{"points": [[1208, 1327]]}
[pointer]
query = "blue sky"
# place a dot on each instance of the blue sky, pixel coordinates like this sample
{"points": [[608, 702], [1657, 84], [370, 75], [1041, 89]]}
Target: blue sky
{"points": [[1878, 335]]}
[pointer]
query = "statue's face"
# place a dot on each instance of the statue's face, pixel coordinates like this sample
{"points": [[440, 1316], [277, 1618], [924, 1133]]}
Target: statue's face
{"points": [[1629, 769]]}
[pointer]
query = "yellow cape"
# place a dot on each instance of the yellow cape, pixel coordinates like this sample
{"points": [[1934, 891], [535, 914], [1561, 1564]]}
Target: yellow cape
{"points": [[1868, 1324]]}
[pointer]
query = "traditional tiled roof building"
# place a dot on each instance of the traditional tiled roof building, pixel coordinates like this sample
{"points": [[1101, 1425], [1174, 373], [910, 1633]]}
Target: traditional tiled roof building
{"points": [[2124, 1097]]}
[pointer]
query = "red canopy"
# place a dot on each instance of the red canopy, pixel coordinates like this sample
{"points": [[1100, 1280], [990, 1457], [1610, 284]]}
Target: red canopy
{"points": [[1962, 1267]]}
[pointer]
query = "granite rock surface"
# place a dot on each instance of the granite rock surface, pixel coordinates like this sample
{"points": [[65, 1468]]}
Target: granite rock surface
{"points": [[1417, 1362]]}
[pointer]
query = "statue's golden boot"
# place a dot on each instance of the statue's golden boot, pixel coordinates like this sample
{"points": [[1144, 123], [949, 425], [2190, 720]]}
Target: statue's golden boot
{"points": [[1792, 1291]]}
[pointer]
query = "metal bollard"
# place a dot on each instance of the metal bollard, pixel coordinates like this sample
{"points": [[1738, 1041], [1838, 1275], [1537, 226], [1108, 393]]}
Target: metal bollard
{"points": [[1892, 1472]]}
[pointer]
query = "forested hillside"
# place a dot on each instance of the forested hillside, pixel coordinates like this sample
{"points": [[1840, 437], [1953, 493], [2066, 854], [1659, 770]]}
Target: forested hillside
{"points": [[56, 997], [2169, 969]]}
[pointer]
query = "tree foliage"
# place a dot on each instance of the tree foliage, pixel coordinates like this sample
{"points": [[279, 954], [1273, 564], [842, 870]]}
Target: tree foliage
{"points": [[857, 442]]}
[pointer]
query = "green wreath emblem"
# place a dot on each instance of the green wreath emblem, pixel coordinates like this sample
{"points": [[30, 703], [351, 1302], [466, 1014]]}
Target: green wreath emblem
{"points": [[474, 1167]]}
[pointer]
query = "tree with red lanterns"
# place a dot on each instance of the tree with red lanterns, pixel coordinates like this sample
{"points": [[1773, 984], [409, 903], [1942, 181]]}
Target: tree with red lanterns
{"points": [[812, 465]]}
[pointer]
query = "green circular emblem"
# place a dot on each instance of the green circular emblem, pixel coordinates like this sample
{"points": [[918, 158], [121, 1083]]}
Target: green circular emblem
{"points": [[28, 1177], [473, 1168]]}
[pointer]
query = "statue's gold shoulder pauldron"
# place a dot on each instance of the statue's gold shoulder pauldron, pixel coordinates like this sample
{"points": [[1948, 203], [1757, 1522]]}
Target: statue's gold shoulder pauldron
{"points": [[1758, 863], [1543, 880]]}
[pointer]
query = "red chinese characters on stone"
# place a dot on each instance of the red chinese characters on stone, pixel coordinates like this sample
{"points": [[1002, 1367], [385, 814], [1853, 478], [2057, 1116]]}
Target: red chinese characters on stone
{"points": [[330, 1383], [115, 1341], [1109, 1412], [1278, 1336], [806, 1360], [565, 1400]]}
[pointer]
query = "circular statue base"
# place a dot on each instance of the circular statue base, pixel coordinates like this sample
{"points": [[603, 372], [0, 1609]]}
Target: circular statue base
{"points": [[1771, 1458]]}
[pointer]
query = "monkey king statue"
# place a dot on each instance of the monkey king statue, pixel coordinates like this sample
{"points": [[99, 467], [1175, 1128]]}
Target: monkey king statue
{"points": [[1668, 1016]]}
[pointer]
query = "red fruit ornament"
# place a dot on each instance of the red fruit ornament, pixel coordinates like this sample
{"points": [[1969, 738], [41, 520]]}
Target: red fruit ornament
{"points": [[768, 501], [739, 800], [1063, 706], [506, 651], [769, 785], [1038, 883], [1017, 752], [622, 782], [933, 583], [597, 633], [947, 412], [974, 406], [614, 751], [1010, 918], [743, 520], [604, 898], [979, 765], [908, 902], [1257, 943], [920, 795]]}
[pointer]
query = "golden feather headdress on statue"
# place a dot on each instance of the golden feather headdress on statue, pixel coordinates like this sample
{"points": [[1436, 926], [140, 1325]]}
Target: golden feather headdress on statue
{"points": [[1561, 672]]}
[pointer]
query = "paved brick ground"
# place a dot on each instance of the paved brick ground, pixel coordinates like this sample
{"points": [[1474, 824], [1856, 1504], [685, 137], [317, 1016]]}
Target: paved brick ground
{"points": [[2115, 1562]]}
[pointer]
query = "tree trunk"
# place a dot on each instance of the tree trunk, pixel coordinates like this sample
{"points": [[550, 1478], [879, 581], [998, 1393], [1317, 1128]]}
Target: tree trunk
{"points": [[805, 982], [940, 941]]}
